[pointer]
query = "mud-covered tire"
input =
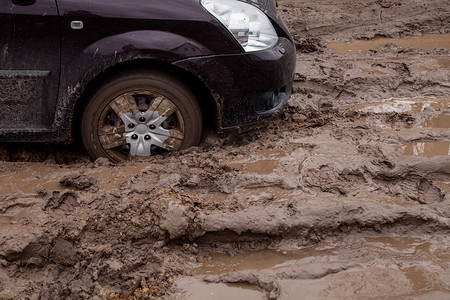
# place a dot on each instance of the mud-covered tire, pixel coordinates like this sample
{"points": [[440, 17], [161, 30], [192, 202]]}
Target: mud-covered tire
{"points": [[139, 113]]}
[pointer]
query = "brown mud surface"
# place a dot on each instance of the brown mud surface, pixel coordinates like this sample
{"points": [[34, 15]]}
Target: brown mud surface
{"points": [[343, 195]]}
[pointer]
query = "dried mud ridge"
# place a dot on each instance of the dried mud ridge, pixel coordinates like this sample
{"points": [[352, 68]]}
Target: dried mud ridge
{"points": [[328, 167]]}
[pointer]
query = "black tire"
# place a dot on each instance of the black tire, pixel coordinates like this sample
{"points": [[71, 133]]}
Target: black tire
{"points": [[165, 116]]}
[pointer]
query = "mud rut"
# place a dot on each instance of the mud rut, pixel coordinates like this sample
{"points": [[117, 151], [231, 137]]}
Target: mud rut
{"points": [[344, 194]]}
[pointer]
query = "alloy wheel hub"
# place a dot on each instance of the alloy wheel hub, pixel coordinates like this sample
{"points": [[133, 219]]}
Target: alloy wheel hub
{"points": [[144, 132]]}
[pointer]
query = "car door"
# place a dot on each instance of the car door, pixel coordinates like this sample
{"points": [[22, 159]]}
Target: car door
{"points": [[29, 64]]}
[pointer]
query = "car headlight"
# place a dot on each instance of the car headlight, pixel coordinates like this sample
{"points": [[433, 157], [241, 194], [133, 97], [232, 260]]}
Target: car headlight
{"points": [[249, 25]]}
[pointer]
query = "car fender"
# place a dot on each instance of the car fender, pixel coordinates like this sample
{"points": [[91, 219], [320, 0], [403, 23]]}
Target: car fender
{"points": [[110, 51]]}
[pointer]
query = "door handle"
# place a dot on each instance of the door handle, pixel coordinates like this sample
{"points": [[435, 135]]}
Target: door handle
{"points": [[23, 2]]}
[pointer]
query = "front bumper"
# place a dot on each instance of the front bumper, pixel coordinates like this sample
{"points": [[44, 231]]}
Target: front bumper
{"points": [[248, 86]]}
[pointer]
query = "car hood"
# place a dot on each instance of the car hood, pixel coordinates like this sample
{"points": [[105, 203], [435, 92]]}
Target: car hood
{"points": [[267, 6], [261, 4]]}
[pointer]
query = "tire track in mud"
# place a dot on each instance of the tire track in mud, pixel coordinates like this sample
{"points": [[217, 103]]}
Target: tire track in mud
{"points": [[343, 21], [202, 197], [324, 183], [362, 78]]}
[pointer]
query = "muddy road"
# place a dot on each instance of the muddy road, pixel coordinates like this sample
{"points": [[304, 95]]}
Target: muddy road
{"points": [[345, 194]]}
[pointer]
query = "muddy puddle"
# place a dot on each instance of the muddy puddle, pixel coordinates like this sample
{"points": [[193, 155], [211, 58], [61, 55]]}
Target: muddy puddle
{"points": [[382, 266], [425, 42], [220, 263], [26, 179], [265, 166], [197, 289], [416, 105], [268, 162], [442, 121], [403, 105], [32, 177], [223, 263], [427, 149]]}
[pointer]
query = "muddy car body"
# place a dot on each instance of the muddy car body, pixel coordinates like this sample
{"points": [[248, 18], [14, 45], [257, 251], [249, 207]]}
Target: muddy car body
{"points": [[58, 57]]}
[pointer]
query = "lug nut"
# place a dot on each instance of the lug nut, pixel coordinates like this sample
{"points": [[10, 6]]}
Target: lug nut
{"points": [[134, 136], [147, 137], [131, 125], [142, 119], [152, 127]]}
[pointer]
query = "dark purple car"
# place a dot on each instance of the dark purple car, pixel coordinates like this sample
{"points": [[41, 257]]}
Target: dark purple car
{"points": [[136, 77]]}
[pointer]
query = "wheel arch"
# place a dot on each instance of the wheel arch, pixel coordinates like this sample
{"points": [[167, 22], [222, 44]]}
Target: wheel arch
{"points": [[209, 106]]}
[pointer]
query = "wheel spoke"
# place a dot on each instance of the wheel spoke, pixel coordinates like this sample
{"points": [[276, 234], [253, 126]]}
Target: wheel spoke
{"points": [[139, 147], [155, 103], [166, 108], [173, 143], [163, 107], [176, 134], [125, 104], [157, 142], [168, 139], [111, 137]]}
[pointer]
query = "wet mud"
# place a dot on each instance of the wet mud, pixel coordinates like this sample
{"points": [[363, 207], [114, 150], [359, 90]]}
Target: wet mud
{"points": [[338, 269], [427, 42], [344, 194]]}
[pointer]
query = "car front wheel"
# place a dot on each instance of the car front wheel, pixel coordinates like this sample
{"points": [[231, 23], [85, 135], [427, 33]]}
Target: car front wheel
{"points": [[138, 114]]}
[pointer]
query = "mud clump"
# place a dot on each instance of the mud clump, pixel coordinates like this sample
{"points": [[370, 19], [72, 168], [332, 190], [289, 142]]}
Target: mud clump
{"points": [[63, 253], [155, 286], [66, 201], [78, 181], [308, 45]]}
